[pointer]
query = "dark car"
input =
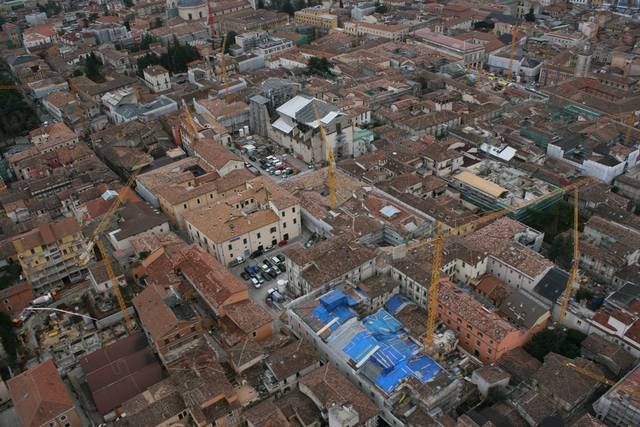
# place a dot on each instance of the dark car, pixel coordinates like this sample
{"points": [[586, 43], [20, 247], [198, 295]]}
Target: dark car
{"points": [[255, 254], [253, 159], [282, 267], [272, 273], [280, 257], [245, 275], [266, 276], [269, 263]]}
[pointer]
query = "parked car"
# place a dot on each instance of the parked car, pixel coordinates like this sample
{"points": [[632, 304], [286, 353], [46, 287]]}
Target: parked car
{"points": [[280, 257], [255, 282], [253, 159], [266, 275], [276, 269], [274, 295], [258, 277], [255, 254], [276, 260], [264, 267], [268, 262], [245, 275], [282, 242]]}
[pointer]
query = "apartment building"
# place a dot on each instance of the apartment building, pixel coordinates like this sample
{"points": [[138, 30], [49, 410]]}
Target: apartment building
{"points": [[171, 325], [617, 407], [480, 331], [50, 254], [395, 32], [298, 130], [41, 398], [156, 77], [187, 184], [53, 137], [255, 219], [471, 54], [316, 16], [328, 263]]}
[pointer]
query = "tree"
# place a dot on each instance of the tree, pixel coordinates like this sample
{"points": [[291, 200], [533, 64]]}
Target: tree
{"points": [[128, 3], [300, 4], [8, 338], [531, 16], [556, 341], [583, 294], [93, 17], [553, 220], [229, 40], [260, 4], [561, 251], [381, 9], [92, 68], [16, 115], [319, 66], [77, 72], [288, 8]]}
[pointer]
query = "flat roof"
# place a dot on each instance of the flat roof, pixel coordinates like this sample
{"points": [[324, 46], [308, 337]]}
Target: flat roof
{"points": [[481, 184]]}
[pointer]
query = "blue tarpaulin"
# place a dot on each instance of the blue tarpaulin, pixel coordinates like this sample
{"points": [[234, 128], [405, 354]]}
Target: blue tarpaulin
{"points": [[334, 304], [396, 303]]}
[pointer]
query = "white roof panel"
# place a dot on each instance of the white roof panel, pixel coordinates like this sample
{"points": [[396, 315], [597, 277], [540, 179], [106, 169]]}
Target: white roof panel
{"points": [[291, 107], [281, 125]]}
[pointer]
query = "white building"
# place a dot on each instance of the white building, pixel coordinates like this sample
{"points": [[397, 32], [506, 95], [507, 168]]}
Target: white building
{"points": [[298, 129], [157, 78]]}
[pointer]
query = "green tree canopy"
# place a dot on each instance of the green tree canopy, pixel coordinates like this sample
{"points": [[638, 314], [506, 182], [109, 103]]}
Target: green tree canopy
{"points": [[17, 117], [566, 343], [92, 67], [319, 66]]}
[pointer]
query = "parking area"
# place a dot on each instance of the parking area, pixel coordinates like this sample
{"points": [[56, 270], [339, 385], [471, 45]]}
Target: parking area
{"points": [[259, 294], [268, 158]]}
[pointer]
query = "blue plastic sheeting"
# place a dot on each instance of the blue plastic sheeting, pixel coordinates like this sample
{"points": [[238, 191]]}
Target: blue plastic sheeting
{"points": [[397, 303], [334, 304], [336, 298], [359, 346], [381, 323], [424, 368]]}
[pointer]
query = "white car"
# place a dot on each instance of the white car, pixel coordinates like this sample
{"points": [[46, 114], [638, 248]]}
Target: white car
{"points": [[255, 283]]}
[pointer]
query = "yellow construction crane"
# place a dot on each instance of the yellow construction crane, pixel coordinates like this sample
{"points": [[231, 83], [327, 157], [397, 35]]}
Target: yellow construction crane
{"points": [[438, 240], [225, 78], [95, 241], [604, 380], [189, 124], [512, 54], [331, 199], [575, 263], [115, 285]]}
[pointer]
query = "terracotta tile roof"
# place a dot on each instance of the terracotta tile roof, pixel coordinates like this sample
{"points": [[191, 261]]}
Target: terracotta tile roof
{"points": [[120, 371], [216, 155], [46, 234], [39, 395], [247, 315], [562, 382], [330, 388], [291, 359], [473, 312], [211, 279], [265, 414]]}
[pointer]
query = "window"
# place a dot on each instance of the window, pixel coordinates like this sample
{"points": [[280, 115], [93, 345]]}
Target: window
{"points": [[284, 225], [244, 241], [295, 220], [193, 329], [258, 235], [185, 206], [293, 209], [272, 230], [166, 341], [177, 336], [230, 246], [283, 213]]}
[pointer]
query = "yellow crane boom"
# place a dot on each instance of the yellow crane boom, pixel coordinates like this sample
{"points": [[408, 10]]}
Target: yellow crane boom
{"points": [[438, 240], [604, 380], [115, 285], [575, 263]]}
